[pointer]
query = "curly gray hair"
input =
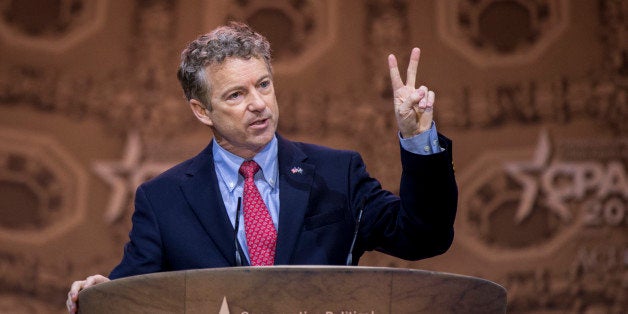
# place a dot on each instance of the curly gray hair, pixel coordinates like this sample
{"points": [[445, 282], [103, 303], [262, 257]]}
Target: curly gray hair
{"points": [[233, 40]]}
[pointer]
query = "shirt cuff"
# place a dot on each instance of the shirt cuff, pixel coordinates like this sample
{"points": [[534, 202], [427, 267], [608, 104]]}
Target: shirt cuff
{"points": [[424, 143]]}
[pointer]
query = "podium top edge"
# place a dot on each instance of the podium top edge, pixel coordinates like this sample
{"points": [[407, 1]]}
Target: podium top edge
{"points": [[323, 269], [329, 274]]}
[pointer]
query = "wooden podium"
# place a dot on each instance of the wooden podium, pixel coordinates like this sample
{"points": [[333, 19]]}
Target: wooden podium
{"points": [[295, 289]]}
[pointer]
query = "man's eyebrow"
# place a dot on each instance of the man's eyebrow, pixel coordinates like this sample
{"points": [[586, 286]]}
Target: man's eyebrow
{"points": [[265, 76], [231, 90], [240, 87]]}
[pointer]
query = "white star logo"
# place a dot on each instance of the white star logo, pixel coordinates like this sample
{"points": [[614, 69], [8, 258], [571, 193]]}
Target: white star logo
{"points": [[224, 308], [521, 172], [125, 175]]}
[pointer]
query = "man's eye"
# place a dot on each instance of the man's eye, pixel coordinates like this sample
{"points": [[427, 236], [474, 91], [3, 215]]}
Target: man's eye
{"points": [[264, 84], [233, 95]]}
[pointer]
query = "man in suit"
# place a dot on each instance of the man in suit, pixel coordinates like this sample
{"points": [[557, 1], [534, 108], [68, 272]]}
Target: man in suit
{"points": [[301, 202]]}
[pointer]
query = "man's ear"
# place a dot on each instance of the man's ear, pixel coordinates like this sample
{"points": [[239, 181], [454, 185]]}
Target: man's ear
{"points": [[200, 112]]}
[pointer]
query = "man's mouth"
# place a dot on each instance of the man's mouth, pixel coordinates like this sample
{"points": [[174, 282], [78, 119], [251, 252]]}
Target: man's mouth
{"points": [[259, 123]]}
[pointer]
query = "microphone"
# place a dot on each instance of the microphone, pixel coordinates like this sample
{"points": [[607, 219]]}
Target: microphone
{"points": [[355, 233], [238, 258]]}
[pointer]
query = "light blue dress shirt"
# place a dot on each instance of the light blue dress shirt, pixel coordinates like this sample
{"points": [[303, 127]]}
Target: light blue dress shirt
{"points": [[232, 183]]}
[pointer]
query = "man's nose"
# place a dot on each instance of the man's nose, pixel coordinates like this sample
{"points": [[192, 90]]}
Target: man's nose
{"points": [[256, 101]]}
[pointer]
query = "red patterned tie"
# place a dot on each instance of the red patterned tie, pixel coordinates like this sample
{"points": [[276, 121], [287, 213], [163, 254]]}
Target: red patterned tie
{"points": [[261, 236]]}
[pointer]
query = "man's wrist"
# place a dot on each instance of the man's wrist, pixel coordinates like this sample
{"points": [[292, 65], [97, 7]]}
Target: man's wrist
{"points": [[424, 143]]}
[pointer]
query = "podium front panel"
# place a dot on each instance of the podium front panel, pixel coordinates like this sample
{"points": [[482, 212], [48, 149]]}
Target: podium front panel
{"points": [[296, 289]]}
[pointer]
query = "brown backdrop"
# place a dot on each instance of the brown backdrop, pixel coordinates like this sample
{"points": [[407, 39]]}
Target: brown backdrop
{"points": [[533, 93]]}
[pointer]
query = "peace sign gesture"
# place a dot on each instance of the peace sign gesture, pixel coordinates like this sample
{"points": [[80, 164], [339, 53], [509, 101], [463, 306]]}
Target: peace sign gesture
{"points": [[414, 108]]}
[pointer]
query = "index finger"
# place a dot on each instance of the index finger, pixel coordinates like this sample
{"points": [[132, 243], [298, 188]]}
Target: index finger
{"points": [[75, 288], [395, 77], [413, 65]]}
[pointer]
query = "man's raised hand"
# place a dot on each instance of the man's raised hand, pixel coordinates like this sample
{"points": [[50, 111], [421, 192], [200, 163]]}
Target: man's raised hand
{"points": [[414, 108]]}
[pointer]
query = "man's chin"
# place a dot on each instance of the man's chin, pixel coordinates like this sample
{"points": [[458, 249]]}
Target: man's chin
{"points": [[263, 139]]}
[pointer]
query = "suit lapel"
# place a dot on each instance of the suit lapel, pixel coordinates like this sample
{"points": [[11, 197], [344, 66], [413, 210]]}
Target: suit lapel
{"points": [[203, 195], [295, 181]]}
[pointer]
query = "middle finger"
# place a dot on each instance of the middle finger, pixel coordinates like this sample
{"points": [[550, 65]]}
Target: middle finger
{"points": [[413, 66]]}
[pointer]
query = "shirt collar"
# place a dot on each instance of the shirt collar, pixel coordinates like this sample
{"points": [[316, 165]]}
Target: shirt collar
{"points": [[228, 164]]}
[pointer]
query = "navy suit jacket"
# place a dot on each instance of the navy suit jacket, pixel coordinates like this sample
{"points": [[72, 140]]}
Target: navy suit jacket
{"points": [[180, 221]]}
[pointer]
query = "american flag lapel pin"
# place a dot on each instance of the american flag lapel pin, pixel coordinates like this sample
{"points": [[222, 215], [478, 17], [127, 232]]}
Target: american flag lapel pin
{"points": [[296, 170]]}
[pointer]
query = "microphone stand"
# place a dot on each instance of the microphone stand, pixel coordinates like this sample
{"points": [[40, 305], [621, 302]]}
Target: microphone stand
{"points": [[349, 261], [238, 258]]}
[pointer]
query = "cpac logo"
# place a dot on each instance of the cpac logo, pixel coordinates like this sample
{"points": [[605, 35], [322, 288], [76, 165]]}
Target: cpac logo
{"points": [[564, 181], [514, 206]]}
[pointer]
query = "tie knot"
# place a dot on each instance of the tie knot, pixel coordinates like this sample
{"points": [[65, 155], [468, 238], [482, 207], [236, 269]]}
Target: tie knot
{"points": [[249, 168]]}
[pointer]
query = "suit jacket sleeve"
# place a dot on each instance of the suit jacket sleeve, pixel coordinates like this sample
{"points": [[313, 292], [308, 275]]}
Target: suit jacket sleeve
{"points": [[418, 223]]}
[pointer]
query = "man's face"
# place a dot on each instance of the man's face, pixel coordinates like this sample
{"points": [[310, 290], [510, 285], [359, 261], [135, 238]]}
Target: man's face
{"points": [[244, 112]]}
